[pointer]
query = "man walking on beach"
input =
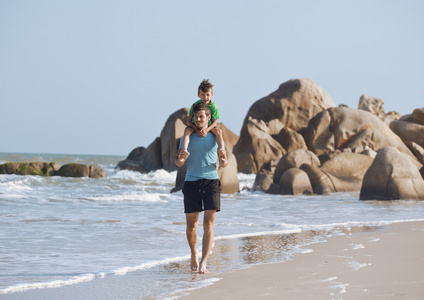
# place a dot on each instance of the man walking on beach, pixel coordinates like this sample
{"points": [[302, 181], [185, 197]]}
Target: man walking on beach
{"points": [[202, 188]]}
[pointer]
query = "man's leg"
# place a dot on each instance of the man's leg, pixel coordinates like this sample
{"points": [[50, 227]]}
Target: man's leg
{"points": [[191, 232], [208, 235]]}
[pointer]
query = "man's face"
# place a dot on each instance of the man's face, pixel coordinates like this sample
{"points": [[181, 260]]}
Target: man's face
{"points": [[205, 96], [201, 119]]}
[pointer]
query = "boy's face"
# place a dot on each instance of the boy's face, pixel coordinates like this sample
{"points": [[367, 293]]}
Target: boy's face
{"points": [[201, 119], [205, 96]]}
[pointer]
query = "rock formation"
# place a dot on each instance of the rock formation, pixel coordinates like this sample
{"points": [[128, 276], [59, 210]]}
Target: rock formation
{"points": [[343, 128], [291, 106], [52, 169], [392, 176]]}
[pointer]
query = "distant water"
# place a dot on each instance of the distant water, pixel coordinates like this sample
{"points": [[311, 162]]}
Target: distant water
{"points": [[58, 232]]}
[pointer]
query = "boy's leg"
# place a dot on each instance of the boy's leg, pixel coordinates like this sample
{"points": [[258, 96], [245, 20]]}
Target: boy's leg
{"points": [[186, 140], [220, 141], [186, 137]]}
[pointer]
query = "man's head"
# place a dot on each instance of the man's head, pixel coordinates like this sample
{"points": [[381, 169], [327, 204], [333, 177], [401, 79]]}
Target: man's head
{"points": [[205, 91], [202, 115]]}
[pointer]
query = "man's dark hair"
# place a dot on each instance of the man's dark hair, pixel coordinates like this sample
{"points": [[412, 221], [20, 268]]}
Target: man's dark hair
{"points": [[201, 106], [204, 86]]}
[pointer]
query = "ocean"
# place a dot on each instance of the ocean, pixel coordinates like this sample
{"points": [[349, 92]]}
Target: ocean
{"points": [[126, 232]]}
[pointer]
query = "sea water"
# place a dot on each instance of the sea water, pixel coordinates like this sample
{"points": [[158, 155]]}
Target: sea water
{"points": [[129, 230]]}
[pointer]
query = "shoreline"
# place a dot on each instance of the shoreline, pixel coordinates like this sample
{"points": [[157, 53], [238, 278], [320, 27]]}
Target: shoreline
{"points": [[376, 264], [360, 262]]}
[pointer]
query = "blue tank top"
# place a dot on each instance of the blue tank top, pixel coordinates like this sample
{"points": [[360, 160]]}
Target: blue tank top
{"points": [[201, 163]]}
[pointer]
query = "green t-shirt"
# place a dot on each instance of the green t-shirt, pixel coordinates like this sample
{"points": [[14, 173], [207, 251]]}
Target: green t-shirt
{"points": [[212, 107]]}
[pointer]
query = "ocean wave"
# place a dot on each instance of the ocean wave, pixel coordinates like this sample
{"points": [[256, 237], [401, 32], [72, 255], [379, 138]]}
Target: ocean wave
{"points": [[51, 284], [136, 197]]}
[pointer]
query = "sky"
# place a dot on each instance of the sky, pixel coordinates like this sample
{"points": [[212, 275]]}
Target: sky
{"points": [[102, 77]]}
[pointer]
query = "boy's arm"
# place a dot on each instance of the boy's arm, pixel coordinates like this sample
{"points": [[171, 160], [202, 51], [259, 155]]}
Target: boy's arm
{"points": [[190, 123], [213, 124]]}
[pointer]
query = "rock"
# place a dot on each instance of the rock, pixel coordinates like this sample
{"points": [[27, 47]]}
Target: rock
{"points": [[292, 105], [96, 172], [261, 147], [392, 176], [294, 159], [416, 117], [417, 150], [230, 138], [340, 128], [263, 180], [294, 182], [372, 105], [25, 168], [9, 168], [74, 170], [320, 181], [55, 166], [409, 132], [228, 176], [290, 140], [346, 171], [170, 137]]}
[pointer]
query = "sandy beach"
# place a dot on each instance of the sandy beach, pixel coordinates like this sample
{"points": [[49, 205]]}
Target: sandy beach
{"points": [[382, 264]]}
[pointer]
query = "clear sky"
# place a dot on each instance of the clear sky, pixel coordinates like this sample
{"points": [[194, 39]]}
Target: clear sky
{"points": [[102, 77]]}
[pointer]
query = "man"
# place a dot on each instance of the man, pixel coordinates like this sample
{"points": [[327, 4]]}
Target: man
{"points": [[202, 188]]}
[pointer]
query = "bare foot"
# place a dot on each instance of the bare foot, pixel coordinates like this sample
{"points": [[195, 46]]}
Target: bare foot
{"points": [[183, 156], [202, 269], [194, 262]]}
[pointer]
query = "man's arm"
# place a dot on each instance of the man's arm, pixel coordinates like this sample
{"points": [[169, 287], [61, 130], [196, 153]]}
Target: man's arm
{"points": [[222, 158]]}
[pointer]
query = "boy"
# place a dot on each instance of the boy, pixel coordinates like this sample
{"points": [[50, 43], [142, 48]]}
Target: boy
{"points": [[205, 93]]}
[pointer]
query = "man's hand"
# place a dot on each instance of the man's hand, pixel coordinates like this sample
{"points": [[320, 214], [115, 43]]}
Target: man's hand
{"points": [[222, 155], [181, 157]]}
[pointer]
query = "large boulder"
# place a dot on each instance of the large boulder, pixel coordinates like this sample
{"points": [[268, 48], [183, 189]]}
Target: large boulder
{"points": [[143, 160], [416, 117], [170, 137], [294, 159], [346, 171], [74, 170], [295, 182], [292, 105], [392, 176], [260, 145], [356, 130], [372, 105], [409, 132], [80, 170]]}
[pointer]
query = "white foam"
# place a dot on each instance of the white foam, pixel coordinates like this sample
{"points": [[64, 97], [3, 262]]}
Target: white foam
{"points": [[125, 270], [242, 235], [51, 284], [134, 196], [357, 246]]}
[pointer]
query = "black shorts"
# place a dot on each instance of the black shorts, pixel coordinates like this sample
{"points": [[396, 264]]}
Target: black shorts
{"points": [[203, 194]]}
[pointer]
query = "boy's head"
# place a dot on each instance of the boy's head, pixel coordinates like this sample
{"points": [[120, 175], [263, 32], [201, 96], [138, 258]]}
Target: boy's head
{"points": [[205, 91]]}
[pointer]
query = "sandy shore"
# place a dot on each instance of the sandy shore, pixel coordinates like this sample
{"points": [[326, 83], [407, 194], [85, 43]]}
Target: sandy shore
{"points": [[383, 264]]}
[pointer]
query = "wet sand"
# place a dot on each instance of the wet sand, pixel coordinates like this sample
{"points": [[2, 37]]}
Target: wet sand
{"points": [[383, 264]]}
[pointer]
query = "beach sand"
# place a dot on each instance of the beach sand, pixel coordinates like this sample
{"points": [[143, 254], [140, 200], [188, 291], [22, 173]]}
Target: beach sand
{"points": [[382, 264]]}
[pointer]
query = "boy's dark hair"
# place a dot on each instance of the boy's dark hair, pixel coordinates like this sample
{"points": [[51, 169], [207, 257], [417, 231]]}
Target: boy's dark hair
{"points": [[204, 86], [202, 106]]}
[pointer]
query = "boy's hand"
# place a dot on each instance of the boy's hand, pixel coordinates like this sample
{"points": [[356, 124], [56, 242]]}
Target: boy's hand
{"points": [[202, 132]]}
